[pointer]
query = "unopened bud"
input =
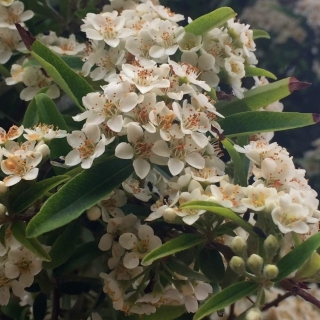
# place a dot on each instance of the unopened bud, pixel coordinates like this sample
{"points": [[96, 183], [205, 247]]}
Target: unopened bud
{"points": [[254, 314], [94, 213], [3, 188], [170, 216], [310, 267], [239, 246], [270, 271], [44, 150], [238, 265], [255, 264], [271, 246]]}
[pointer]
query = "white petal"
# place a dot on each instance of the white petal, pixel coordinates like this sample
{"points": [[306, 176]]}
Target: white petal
{"points": [[124, 151], [141, 167], [115, 123], [175, 166], [195, 160], [130, 260], [127, 240]]}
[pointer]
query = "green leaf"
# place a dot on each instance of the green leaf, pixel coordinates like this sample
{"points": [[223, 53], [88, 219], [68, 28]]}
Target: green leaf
{"points": [[35, 192], [39, 306], [81, 13], [257, 33], [226, 297], [209, 21], [31, 117], [78, 194], [72, 83], [246, 123], [221, 211], [183, 242], [240, 176], [211, 264], [182, 269], [295, 258], [73, 62], [84, 254], [261, 96], [60, 252], [18, 229], [253, 71]]}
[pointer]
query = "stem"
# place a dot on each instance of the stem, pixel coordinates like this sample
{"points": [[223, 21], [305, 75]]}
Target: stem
{"points": [[276, 301], [259, 296]]}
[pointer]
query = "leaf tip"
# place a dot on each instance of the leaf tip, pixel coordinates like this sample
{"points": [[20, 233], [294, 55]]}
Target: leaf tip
{"points": [[27, 38], [316, 117], [295, 84]]}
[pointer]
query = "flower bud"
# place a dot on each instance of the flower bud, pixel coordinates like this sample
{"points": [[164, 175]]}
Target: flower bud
{"points": [[309, 268], [43, 149], [270, 271], [238, 265], [94, 213], [170, 216], [271, 246], [255, 264], [3, 188], [254, 314], [239, 246]]}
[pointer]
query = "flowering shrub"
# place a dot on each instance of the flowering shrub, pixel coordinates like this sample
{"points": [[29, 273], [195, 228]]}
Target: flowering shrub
{"points": [[151, 188]]}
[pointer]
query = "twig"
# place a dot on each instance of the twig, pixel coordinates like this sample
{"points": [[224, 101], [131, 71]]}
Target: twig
{"points": [[276, 301]]}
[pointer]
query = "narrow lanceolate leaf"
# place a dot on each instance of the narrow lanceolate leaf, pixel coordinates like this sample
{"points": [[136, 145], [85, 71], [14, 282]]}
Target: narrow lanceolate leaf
{"points": [[183, 242], [31, 117], [295, 258], [226, 297], [240, 176], [261, 96], [60, 252], [221, 211], [70, 82], [253, 71], [35, 192], [18, 229], [246, 123], [209, 21], [79, 194], [257, 33]]}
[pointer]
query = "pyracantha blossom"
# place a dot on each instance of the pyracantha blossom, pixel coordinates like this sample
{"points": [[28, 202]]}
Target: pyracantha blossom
{"points": [[13, 133], [138, 246], [14, 14], [17, 72], [67, 46], [87, 145], [44, 132], [6, 3], [111, 203], [10, 41]]}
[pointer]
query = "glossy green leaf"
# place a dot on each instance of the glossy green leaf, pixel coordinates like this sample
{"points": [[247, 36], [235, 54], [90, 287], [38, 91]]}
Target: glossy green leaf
{"points": [[257, 33], [209, 21], [260, 97], [253, 71], [18, 229], [70, 82], [182, 269], [183, 242], [60, 252], [35, 192], [226, 297], [73, 62], [295, 258], [40, 306], [31, 117], [211, 264], [240, 176], [79, 194], [246, 123], [221, 211], [84, 254]]}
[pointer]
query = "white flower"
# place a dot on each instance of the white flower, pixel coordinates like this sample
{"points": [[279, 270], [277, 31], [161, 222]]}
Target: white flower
{"points": [[23, 264], [44, 132], [14, 14], [234, 65], [146, 76], [10, 41], [16, 74], [140, 46], [139, 247], [165, 13], [14, 132], [87, 145], [68, 46], [107, 26], [166, 35], [110, 204], [133, 186]]}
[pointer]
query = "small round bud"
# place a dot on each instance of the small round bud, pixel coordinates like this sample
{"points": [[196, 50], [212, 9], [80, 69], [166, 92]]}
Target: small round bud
{"points": [[94, 213], [170, 216], [3, 188], [44, 150], [255, 264], [238, 265], [270, 271], [271, 246], [239, 246], [254, 314]]}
